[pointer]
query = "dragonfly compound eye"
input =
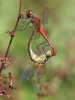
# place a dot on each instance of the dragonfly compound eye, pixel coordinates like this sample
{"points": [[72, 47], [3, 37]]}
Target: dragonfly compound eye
{"points": [[48, 53], [29, 13]]}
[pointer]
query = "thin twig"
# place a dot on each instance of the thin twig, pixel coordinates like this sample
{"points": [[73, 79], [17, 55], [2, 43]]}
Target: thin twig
{"points": [[12, 35]]}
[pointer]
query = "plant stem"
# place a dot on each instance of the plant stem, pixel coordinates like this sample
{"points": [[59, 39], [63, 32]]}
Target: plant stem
{"points": [[12, 36]]}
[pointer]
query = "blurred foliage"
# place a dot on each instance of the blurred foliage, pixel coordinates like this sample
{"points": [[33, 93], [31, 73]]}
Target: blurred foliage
{"points": [[61, 29]]}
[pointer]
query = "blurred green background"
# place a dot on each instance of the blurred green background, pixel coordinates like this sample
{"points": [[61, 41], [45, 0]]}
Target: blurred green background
{"points": [[61, 31]]}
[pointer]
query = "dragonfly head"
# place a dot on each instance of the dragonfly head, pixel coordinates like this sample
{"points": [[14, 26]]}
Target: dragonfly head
{"points": [[29, 13], [48, 53]]}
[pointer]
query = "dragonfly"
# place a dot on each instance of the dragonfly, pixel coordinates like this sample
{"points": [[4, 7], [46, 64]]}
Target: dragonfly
{"points": [[37, 23], [37, 68]]}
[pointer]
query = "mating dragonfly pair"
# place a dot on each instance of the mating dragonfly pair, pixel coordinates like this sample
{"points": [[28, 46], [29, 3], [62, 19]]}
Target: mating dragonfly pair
{"points": [[38, 67]]}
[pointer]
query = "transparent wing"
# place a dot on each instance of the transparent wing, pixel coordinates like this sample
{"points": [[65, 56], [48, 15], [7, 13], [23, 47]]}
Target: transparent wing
{"points": [[39, 79], [27, 73], [24, 25], [29, 32], [43, 45], [45, 16]]}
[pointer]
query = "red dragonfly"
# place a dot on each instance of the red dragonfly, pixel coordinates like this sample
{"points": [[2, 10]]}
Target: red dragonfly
{"points": [[37, 22], [31, 68]]}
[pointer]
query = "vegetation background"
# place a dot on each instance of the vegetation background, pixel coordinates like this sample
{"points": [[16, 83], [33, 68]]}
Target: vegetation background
{"points": [[61, 31]]}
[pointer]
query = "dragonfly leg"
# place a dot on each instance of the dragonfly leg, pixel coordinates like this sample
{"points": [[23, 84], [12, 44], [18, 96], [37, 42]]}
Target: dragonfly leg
{"points": [[39, 45]]}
